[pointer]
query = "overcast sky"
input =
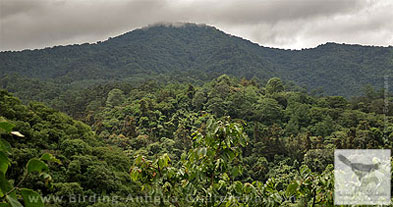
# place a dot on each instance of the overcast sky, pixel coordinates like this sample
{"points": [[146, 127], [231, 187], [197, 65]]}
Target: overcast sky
{"points": [[293, 24]]}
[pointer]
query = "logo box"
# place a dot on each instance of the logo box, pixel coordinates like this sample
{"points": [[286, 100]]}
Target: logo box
{"points": [[362, 177]]}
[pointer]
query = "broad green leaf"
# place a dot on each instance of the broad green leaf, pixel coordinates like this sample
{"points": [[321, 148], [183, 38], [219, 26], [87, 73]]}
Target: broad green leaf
{"points": [[6, 126], [238, 186], [235, 171], [291, 188], [5, 186], [36, 165], [31, 198], [13, 201], [5, 146], [50, 157], [4, 162]]}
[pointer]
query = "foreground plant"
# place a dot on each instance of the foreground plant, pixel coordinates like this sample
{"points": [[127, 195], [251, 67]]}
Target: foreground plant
{"points": [[205, 176], [11, 193]]}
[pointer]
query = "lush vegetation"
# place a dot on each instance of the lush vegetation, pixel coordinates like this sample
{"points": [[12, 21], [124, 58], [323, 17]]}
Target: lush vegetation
{"points": [[227, 142], [85, 164], [8, 191], [149, 118], [192, 53]]}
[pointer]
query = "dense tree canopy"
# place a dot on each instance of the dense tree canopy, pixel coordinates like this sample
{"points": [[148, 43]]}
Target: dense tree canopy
{"points": [[230, 141]]}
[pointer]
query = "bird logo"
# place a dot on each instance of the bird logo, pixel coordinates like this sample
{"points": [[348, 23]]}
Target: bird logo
{"points": [[361, 170], [362, 176]]}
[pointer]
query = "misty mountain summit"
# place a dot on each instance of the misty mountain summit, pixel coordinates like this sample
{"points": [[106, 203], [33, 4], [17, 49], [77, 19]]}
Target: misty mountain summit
{"points": [[359, 169]]}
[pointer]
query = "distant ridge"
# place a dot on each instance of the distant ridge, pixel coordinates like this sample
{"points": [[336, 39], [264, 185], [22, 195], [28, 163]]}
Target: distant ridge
{"points": [[203, 52]]}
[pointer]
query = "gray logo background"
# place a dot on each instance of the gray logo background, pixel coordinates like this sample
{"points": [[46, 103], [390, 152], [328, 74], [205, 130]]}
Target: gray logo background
{"points": [[362, 177]]}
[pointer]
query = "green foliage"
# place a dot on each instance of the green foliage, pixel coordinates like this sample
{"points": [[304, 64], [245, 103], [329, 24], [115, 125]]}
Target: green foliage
{"points": [[115, 97], [71, 149], [312, 189], [8, 191], [274, 85], [268, 111], [276, 149], [28, 198], [205, 173], [36, 165], [75, 147]]}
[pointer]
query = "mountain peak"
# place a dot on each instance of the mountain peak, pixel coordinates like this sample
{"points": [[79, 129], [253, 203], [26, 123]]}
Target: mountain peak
{"points": [[167, 30]]}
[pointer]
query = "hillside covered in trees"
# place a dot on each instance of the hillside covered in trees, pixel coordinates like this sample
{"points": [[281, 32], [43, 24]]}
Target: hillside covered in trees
{"points": [[227, 142], [191, 53]]}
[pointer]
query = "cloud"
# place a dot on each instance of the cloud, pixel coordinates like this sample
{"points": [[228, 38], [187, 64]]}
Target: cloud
{"points": [[10, 8], [276, 23], [256, 11]]}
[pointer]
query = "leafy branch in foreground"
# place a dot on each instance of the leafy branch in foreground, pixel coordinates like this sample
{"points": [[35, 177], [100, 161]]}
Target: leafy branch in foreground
{"points": [[9, 193], [205, 176]]}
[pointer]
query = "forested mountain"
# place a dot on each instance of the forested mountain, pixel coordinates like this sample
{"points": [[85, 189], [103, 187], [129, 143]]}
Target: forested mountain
{"points": [[189, 115], [193, 52]]}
